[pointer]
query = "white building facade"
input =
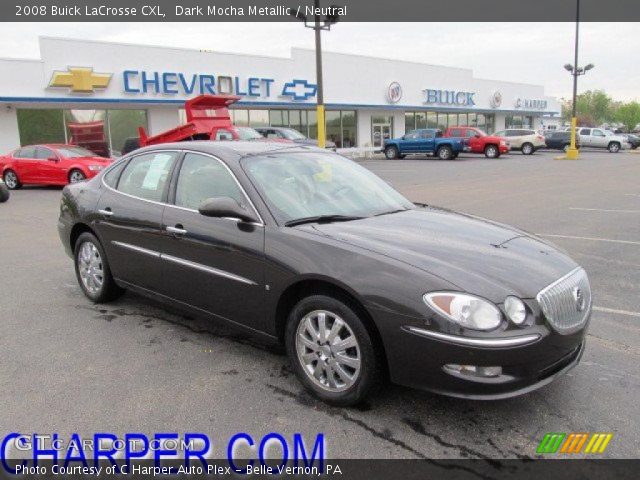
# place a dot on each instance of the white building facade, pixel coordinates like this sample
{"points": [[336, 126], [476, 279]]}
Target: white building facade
{"points": [[115, 88]]}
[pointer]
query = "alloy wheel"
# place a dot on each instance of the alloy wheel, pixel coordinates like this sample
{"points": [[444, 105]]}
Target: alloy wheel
{"points": [[527, 149], [328, 350], [76, 176], [90, 267], [11, 180]]}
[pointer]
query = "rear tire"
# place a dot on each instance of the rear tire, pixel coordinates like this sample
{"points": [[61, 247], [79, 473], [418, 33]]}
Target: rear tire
{"points": [[391, 153], [76, 176], [614, 147], [445, 153], [11, 180], [491, 151], [92, 270], [527, 149], [317, 331]]}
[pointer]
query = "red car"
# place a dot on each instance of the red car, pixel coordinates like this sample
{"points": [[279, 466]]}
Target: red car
{"points": [[480, 142], [49, 165]]}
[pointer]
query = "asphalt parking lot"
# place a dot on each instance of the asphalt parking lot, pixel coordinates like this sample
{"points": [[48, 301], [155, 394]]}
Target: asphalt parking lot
{"points": [[133, 366]]}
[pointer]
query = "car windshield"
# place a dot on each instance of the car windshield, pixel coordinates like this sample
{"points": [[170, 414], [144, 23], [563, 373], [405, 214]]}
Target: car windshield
{"points": [[248, 133], [311, 184], [75, 152], [292, 134]]}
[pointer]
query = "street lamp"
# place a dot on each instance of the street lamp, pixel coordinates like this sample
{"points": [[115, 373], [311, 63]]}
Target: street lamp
{"points": [[319, 23], [572, 153]]}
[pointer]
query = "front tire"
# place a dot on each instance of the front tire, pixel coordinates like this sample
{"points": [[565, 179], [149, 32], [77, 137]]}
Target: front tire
{"points": [[445, 153], [331, 351], [11, 180], [76, 176], [391, 153], [614, 147], [92, 270], [527, 149], [491, 151]]}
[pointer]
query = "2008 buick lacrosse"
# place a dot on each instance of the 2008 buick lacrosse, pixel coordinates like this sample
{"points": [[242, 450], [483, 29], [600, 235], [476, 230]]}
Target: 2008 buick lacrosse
{"points": [[305, 247]]}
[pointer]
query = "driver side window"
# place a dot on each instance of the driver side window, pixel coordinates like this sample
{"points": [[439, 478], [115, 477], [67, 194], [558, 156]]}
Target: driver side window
{"points": [[202, 177]]}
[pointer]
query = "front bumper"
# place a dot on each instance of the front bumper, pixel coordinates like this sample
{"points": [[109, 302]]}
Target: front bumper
{"points": [[504, 148], [419, 361]]}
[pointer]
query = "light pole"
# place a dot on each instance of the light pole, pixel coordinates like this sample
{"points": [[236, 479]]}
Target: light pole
{"points": [[573, 153], [318, 25]]}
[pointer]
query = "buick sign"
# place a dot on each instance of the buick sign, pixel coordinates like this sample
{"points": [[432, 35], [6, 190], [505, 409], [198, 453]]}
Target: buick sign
{"points": [[394, 92], [449, 97]]}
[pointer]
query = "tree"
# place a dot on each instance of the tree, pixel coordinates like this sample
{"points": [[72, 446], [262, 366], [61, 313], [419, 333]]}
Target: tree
{"points": [[593, 107], [629, 115]]}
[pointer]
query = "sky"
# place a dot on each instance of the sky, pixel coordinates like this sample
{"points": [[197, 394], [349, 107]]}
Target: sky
{"points": [[519, 52]]}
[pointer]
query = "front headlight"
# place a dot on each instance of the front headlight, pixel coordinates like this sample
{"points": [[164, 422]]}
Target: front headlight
{"points": [[465, 310], [95, 168], [503, 142]]}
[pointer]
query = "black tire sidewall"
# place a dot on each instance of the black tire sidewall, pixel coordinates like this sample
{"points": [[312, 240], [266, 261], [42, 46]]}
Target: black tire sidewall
{"points": [[4, 176], [84, 177], [393, 150], [490, 148], [525, 146], [611, 145], [445, 149], [108, 289], [370, 361]]}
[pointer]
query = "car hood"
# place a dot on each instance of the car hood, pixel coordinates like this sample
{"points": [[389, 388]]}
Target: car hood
{"points": [[477, 255]]}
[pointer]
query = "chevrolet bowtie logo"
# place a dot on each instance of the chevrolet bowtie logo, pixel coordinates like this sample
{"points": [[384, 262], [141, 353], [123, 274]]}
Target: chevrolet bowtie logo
{"points": [[299, 90], [80, 79]]}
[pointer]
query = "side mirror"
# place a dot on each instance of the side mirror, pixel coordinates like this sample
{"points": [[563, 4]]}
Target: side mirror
{"points": [[225, 207], [53, 159]]}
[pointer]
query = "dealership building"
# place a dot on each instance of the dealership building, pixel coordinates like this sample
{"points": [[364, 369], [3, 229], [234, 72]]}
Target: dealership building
{"points": [[97, 94]]}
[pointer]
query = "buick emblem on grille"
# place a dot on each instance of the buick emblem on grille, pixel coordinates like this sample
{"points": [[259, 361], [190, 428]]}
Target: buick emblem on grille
{"points": [[578, 296]]}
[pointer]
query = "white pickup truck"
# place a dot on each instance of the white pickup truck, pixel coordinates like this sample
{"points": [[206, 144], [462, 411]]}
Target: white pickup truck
{"points": [[600, 138]]}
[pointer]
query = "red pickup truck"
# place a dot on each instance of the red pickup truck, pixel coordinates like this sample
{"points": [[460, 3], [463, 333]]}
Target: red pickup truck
{"points": [[480, 142]]}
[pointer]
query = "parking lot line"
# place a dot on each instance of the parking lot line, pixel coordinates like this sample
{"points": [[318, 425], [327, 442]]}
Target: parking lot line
{"points": [[613, 310], [595, 239], [632, 194], [603, 210]]}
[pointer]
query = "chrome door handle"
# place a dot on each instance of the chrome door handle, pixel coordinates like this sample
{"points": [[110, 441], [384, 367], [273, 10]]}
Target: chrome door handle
{"points": [[106, 212], [176, 230]]}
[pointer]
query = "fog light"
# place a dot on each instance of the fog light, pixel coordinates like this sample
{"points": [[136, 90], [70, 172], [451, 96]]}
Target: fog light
{"points": [[475, 371], [516, 310]]}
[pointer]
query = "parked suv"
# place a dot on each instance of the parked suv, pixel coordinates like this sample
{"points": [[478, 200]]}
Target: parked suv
{"points": [[479, 142], [561, 141], [525, 140], [600, 138], [425, 140]]}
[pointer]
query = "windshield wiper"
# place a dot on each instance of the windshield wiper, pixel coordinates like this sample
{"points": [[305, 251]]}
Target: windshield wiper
{"points": [[392, 211], [321, 219]]}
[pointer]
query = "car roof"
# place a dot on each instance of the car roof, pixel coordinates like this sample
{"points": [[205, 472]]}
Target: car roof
{"points": [[230, 150]]}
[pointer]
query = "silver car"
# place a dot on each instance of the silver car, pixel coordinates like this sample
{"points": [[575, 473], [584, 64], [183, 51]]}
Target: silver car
{"points": [[600, 138], [525, 140]]}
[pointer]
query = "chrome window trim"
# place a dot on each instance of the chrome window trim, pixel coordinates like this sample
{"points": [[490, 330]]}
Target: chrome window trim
{"points": [[244, 192], [478, 342], [233, 175], [183, 262], [105, 172]]}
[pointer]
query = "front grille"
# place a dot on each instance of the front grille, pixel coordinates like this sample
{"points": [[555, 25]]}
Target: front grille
{"points": [[566, 303]]}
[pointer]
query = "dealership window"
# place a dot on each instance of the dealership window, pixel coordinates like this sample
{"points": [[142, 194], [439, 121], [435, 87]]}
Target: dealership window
{"points": [[40, 126], [409, 121], [101, 131], [240, 117], [349, 129], [518, 121], [258, 118], [421, 120]]}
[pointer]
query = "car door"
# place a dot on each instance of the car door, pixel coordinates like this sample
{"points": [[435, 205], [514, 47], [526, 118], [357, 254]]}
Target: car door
{"points": [[474, 142], [427, 141], [599, 138], [129, 214], [51, 170], [585, 136], [27, 165], [410, 143], [213, 264]]}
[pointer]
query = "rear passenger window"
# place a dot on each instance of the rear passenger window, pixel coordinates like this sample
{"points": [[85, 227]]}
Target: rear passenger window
{"points": [[146, 176], [456, 132], [585, 131], [202, 177], [26, 152]]}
